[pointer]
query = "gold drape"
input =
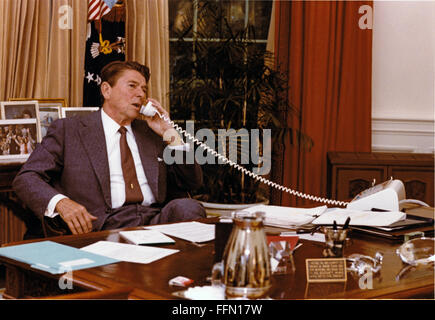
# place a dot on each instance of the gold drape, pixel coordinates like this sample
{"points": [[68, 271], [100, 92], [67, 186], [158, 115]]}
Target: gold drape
{"points": [[147, 41], [41, 59], [66, 58], [38, 57], [270, 46], [20, 45]]}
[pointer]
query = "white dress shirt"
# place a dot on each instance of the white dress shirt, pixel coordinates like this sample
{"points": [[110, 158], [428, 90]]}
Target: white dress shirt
{"points": [[117, 185]]}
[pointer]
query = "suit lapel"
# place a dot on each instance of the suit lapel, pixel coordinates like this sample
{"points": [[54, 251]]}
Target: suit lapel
{"points": [[148, 155], [92, 137]]}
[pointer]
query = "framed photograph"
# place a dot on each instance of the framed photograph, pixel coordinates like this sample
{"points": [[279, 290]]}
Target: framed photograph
{"points": [[18, 138], [19, 110], [53, 102], [47, 114], [77, 111]]}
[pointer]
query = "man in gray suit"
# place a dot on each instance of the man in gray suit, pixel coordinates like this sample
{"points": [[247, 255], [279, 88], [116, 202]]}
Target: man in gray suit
{"points": [[76, 171]]}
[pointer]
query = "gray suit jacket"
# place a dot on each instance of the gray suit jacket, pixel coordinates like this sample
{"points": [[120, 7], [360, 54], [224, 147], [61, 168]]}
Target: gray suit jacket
{"points": [[72, 160]]}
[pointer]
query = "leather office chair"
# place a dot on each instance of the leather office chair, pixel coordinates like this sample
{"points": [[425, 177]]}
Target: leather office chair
{"points": [[35, 228], [33, 225]]}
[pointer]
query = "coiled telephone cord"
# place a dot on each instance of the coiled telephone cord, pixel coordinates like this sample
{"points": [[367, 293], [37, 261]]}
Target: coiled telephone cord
{"points": [[250, 173]]}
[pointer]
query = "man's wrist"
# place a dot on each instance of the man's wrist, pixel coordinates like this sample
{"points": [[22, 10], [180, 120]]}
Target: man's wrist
{"points": [[51, 207], [172, 138]]}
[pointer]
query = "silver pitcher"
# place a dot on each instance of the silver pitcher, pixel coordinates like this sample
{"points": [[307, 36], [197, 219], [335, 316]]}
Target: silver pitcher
{"points": [[245, 267]]}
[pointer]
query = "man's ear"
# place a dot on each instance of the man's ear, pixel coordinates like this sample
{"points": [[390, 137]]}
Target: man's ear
{"points": [[106, 89]]}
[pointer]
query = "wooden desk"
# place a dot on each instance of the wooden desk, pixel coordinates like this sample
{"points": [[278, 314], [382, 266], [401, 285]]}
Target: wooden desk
{"points": [[150, 281]]}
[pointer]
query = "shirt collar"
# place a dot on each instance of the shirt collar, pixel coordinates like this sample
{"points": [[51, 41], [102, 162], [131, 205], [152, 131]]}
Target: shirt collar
{"points": [[110, 126]]}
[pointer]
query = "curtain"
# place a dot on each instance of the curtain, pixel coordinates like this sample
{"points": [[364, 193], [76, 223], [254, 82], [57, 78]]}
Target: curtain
{"points": [[66, 61], [39, 58], [147, 35], [23, 63], [270, 46], [327, 58]]}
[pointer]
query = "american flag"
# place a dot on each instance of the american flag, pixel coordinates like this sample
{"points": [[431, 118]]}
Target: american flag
{"points": [[98, 8]]}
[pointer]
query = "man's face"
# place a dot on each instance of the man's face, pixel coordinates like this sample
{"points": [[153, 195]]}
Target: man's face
{"points": [[123, 100]]}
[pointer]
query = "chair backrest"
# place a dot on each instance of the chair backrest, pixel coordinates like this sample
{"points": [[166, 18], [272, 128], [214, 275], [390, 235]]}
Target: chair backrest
{"points": [[33, 225]]}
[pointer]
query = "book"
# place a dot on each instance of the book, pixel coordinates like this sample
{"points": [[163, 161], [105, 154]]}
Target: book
{"points": [[54, 257], [146, 237]]}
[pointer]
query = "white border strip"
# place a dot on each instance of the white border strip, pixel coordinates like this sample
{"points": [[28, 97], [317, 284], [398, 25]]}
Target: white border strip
{"points": [[403, 135]]}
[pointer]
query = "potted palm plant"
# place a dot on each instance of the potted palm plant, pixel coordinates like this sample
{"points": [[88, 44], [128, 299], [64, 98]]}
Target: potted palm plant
{"points": [[228, 82]]}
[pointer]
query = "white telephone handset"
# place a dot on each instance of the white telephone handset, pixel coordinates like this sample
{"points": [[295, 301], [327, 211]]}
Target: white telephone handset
{"points": [[148, 110]]}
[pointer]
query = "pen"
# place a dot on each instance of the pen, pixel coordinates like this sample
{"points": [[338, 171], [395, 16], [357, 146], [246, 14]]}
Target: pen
{"points": [[379, 210], [306, 230], [346, 224], [314, 230], [300, 231], [299, 244]]}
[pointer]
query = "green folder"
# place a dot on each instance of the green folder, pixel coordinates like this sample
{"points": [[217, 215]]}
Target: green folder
{"points": [[54, 257]]}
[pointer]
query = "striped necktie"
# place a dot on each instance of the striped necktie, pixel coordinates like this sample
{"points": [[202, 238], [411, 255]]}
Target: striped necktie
{"points": [[133, 194]]}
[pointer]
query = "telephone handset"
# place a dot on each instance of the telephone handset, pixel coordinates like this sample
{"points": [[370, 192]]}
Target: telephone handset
{"points": [[148, 110], [385, 196]]}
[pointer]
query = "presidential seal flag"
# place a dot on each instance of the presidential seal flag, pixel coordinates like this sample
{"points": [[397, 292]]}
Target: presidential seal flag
{"points": [[105, 42], [98, 8]]}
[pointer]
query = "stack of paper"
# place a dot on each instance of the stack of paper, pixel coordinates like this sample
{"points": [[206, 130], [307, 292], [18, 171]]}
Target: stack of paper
{"points": [[190, 231], [142, 237], [287, 217], [317, 236], [360, 218]]}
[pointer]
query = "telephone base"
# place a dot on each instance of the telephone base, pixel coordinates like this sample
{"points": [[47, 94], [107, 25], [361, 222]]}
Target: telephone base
{"points": [[384, 196]]}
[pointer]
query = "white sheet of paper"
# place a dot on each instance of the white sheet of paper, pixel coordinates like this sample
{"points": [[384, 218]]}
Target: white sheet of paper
{"points": [[190, 231], [360, 218], [128, 252], [146, 237], [280, 216], [319, 237]]}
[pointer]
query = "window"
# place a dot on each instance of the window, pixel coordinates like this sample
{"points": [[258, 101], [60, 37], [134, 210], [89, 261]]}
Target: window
{"points": [[200, 21]]}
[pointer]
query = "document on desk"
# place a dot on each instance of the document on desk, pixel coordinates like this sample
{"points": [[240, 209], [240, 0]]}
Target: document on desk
{"points": [[128, 252], [287, 217], [54, 257], [360, 218], [318, 237], [146, 237], [190, 231]]}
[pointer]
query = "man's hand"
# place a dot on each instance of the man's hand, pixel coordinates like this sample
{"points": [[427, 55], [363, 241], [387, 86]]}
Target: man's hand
{"points": [[78, 219], [161, 127]]}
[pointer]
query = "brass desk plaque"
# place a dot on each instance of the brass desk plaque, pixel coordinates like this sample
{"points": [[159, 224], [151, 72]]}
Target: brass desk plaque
{"points": [[326, 270]]}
